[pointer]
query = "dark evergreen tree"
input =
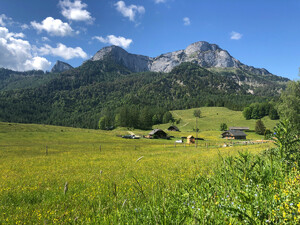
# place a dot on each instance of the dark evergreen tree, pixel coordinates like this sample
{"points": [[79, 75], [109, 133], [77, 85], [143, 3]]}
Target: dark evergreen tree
{"points": [[167, 118], [260, 127], [223, 126], [247, 113]]}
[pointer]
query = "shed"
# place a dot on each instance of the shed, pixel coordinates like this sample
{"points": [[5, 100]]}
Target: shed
{"points": [[190, 139], [239, 128], [173, 128], [157, 133], [234, 134]]}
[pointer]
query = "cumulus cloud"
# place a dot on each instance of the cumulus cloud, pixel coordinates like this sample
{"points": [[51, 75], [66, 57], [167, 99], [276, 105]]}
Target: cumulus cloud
{"points": [[235, 35], [36, 63], [129, 11], [4, 19], [75, 11], [112, 39], [186, 21], [63, 51], [16, 53], [54, 27]]}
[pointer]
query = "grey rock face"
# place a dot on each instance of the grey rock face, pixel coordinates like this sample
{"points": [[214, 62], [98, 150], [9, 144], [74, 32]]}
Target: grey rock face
{"points": [[136, 63], [202, 53], [60, 67]]}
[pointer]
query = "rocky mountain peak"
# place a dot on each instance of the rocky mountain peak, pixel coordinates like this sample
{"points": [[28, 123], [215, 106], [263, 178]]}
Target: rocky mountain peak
{"points": [[201, 46], [136, 63], [112, 50], [202, 53], [60, 67]]}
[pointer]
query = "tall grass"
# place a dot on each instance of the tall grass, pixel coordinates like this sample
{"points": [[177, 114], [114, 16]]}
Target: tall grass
{"points": [[152, 183]]}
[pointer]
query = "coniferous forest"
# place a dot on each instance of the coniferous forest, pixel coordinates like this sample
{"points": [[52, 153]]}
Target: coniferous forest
{"points": [[104, 94]]}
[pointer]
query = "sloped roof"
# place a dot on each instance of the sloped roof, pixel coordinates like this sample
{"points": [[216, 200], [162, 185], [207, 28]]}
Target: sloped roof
{"points": [[173, 127], [238, 128], [235, 133], [155, 131]]}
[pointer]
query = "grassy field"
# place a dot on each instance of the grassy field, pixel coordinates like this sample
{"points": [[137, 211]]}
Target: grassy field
{"points": [[107, 176], [212, 117]]}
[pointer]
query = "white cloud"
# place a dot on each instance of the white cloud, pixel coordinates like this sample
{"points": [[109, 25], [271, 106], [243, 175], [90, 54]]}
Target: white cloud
{"points": [[37, 63], [129, 11], [186, 21], [55, 27], [4, 33], [235, 35], [16, 53], [24, 26], [63, 51], [45, 39], [112, 39], [160, 1], [75, 11], [4, 19]]}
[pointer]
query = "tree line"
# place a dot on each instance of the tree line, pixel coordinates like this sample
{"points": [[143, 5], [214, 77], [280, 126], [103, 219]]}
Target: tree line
{"points": [[260, 110], [134, 117]]}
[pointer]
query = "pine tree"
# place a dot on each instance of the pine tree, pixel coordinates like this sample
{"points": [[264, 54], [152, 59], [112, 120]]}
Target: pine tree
{"points": [[260, 127], [223, 127]]}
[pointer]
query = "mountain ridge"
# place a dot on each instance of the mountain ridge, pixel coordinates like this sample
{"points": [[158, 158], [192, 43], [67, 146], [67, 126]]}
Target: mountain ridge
{"points": [[202, 53], [61, 67]]}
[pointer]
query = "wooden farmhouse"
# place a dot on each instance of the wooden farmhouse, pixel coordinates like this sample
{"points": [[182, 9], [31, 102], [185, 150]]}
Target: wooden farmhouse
{"points": [[234, 134], [173, 128], [190, 139], [158, 133]]}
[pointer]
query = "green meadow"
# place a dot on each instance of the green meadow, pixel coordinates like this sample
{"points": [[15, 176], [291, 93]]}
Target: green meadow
{"points": [[62, 175]]}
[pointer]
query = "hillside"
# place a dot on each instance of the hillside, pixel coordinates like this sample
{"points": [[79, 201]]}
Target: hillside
{"points": [[78, 97], [212, 117]]}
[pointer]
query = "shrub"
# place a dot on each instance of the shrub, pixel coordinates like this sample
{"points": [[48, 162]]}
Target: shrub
{"points": [[223, 127]]}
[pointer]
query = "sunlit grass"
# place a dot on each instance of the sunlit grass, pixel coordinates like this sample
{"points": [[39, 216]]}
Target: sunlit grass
{"points": [[103, 181], [212, 117]]}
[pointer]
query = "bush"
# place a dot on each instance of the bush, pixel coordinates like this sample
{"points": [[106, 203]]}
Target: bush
{"points": [[223, 127]]}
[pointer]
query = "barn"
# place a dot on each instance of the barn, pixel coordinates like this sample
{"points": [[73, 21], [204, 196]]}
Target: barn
{"points": [[173, 128], [157, 133], [190, 139], [234, 134]]}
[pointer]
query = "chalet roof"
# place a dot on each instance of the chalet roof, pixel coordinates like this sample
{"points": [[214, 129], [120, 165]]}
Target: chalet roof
{"points": [[173, 128], [235, 133], [155, 131], [238, 128]]}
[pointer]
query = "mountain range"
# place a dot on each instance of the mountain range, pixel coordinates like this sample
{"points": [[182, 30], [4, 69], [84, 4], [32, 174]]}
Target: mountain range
{"points": [[201, 75], [202, 53]]}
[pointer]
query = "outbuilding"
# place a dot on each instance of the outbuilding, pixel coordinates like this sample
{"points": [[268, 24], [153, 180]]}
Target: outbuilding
{"points": [[190, 139], [173, 128], [157, 133], [234, 134]]}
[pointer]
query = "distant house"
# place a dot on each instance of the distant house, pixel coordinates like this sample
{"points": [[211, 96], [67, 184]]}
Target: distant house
{"points": [[239, 128], [173, 128], [234, 134], [190, 139], [158, 133]]}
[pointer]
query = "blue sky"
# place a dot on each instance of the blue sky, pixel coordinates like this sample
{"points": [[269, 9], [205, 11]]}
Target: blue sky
{"points": [[34, 34]]}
